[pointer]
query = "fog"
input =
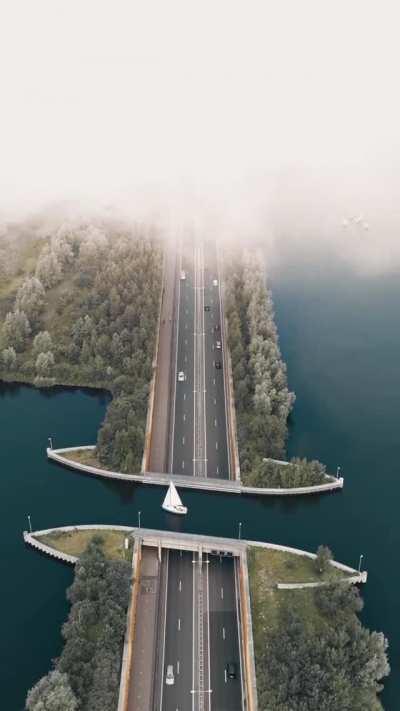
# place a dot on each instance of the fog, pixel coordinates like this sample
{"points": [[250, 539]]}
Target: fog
{"points": [[274, 121]]}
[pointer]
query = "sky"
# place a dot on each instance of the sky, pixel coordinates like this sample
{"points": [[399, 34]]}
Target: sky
{"points": [[265, 112]]}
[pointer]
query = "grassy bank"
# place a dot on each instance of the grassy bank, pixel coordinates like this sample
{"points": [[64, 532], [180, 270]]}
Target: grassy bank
{"points": [[75, 542]]}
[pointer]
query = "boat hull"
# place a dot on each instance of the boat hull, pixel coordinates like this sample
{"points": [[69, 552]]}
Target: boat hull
{"points": [[180, 510]]}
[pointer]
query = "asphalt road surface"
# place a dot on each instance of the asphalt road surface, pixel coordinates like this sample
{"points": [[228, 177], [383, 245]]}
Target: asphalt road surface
{"points": [[199, 431]]}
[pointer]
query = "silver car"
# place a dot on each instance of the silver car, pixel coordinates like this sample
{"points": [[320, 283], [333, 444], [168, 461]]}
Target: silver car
{"points": [[169, 677]]}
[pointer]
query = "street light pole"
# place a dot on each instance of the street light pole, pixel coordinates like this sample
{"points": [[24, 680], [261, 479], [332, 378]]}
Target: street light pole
{"points": [[50, 442], [240, 530], [30, 524], [337, 472], [359, 563], [139, 512]]}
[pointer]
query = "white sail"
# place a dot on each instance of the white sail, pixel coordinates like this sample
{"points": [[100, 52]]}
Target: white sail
{"points": [[172, 501], [175, 499]]}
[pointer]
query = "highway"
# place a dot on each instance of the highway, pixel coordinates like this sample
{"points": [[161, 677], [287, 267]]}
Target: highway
{"points": [[198, 618], [198, 439]]}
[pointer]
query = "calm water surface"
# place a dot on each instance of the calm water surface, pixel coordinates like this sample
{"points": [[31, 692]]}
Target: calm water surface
{"points": [[341, 341]]}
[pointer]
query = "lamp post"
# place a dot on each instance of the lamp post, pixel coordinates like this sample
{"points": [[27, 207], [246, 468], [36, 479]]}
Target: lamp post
{"points": [[337, 472], [240, 530], [50, 442], [359, 563], [139, 512], [30, 524]]}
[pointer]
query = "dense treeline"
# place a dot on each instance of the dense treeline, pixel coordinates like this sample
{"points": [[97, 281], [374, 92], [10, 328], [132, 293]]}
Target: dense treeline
{"points": [[262, 399], [87, 674], [299, 472], [87, 315], [333, 663]]}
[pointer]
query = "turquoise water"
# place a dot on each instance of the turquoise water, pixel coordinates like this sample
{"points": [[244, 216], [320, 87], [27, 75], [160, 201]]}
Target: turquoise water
{"points": [[340, 338]]}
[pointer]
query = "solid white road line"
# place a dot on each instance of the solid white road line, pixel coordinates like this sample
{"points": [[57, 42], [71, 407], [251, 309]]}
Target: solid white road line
{"points": [[165, 628], [223, 633]]}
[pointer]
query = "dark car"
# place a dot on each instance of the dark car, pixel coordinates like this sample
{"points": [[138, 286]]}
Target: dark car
{"points": [[217, 327], [218, 364], [231, 670], [206, 308]]}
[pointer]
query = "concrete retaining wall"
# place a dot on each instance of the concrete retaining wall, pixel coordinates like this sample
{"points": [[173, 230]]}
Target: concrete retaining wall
{"points": [[208, 484]]}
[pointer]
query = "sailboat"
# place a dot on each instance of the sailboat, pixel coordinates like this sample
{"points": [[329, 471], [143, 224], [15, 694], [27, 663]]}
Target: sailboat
{"points": [[172, 501]]}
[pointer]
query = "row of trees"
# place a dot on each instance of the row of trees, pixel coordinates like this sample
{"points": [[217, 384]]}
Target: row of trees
{"points": [[88, 316], [87, 673], [299, 472], [263, 401], [335, 664]]}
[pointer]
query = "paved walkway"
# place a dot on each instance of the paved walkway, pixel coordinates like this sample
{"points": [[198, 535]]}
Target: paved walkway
{"points": [[141, 676]]}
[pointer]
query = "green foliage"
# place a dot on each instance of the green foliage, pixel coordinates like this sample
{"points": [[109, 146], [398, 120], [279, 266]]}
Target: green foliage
{"points": [[9, 358], [52, 693], [16, 330], [95, 628], [93, 304], [299, 472], [262, 399], [334, 666]]}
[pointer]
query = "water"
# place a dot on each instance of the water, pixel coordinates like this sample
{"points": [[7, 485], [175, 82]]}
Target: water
{"points": [[340, 339]]}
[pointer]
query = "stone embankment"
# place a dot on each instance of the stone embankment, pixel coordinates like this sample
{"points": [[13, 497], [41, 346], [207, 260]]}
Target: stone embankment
{"points": [[208, 484]]}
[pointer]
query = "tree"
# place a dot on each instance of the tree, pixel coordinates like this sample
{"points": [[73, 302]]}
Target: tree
{"points": [[52, 693], [323, 559], [30, 299], [44, 363], [16, 330], [9, 358], [42, 342]]}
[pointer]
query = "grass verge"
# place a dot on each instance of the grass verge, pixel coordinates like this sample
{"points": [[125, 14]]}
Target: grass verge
{"points": [[75, 542]]}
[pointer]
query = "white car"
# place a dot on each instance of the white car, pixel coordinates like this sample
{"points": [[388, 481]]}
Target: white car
{"points": [[181, 376], [218, 345], [183, 275], [215, 282], [169, 677]]}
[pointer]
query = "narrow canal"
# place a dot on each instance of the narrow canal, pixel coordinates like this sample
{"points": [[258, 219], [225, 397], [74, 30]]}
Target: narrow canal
{"points": [[340, 338]]}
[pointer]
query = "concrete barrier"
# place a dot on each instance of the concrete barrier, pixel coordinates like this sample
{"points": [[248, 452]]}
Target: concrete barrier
{"points": [[251, 701], [150, 407], [126, 665], [227, 486]]}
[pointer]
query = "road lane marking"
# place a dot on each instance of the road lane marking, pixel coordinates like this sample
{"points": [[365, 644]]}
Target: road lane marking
{"points": [[214, 381], [183, 440], [222, 593], [184, 396], [216, 445], [215, 401], [178, 667], [180, 581], [184, 417], [179, 624], [215, 422], [223, 633], [217, 470], [183, 464], [226, 679]]}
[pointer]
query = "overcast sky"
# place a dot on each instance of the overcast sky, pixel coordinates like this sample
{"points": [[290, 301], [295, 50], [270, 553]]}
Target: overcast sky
{"points": [[234, 99]]}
